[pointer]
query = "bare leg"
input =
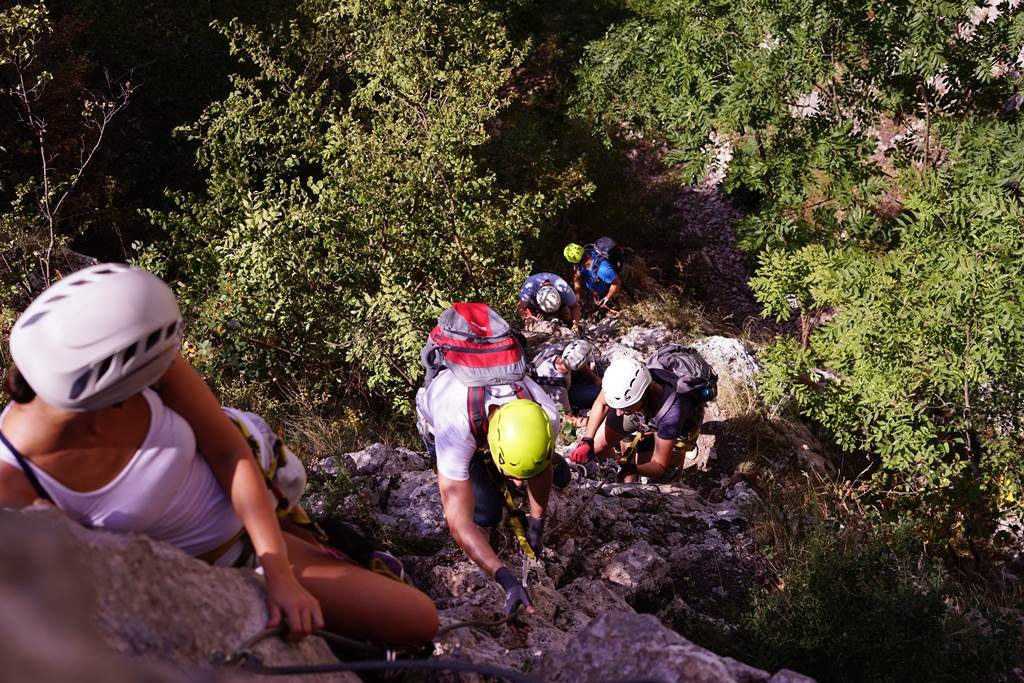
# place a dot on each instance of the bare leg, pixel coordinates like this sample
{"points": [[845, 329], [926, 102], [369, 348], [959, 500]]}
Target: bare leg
{"points": [[361, 604]]}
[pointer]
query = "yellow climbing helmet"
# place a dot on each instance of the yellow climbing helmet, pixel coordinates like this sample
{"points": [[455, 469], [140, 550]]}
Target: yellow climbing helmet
{"points": [[573, 252], [520, 439]]}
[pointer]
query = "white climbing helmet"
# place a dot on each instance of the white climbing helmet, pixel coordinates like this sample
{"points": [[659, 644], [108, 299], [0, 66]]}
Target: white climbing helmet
{"points": [[625, 382], [576, 353], [97, 336], [549, 299]]}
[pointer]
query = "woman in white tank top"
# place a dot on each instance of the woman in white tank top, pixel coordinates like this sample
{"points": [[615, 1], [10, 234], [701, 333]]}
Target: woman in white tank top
{"points": [[85, 431]]}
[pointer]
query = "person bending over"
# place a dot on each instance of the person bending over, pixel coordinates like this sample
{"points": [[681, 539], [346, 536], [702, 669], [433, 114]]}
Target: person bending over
{"points": [[632, 399], [472, 474], [566, 375], [593, 275], [546, 294]]}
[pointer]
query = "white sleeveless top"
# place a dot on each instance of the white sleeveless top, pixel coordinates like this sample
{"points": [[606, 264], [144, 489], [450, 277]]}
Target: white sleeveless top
{"points": [[167, 491]]}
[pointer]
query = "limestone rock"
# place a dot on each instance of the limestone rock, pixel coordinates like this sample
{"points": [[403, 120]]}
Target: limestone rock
{"points": [[635, 646], [731, 358], [126, 607], [637, 570]]}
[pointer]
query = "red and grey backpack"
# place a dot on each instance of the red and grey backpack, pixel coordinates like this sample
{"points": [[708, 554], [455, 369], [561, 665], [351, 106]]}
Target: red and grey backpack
{"points": [[480, 349]]}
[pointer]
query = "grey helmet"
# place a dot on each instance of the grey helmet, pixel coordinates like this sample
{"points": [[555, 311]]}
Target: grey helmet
{"points": [[577, 353], [548, 299]]}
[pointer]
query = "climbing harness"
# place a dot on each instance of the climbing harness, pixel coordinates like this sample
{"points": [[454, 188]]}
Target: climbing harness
{"points": [[682, 445], [516, 522]]}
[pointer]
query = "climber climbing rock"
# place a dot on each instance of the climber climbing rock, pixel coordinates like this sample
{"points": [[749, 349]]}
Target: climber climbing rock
{"points": [[546, 294], [112, 425], [597, 271], [665, 395], [565, 373], [486, 425]]}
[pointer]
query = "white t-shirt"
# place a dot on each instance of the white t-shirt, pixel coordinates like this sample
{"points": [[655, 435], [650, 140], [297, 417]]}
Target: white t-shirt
{"points": [[442, 408]]}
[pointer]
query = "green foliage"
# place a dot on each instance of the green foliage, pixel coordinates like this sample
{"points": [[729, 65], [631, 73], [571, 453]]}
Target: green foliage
{"points": [[858, 606], [923, 355], [22, 230], [49, 146], [789, 96], [345, 204], [905, 267]]}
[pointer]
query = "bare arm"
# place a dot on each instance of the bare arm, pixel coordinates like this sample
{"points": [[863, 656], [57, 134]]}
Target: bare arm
{"points": [[538, 489], [577, 283], [523, 309], [598, 411], [457, 501], [224, 448], [660, 460], [613, 289]]}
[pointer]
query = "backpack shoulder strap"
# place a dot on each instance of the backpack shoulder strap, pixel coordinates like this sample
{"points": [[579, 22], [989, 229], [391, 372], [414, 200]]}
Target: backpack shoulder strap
{"points": [[27, 469], [667, 402], [476, 406]]}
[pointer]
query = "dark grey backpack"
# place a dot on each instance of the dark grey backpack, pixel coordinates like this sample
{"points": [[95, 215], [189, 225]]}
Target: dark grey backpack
{"points": [[684, 366], [546, 354]]}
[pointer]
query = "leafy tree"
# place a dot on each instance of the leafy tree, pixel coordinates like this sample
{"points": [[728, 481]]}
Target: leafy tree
{"points": [[912, 256], [58, 129], [345, 204]]}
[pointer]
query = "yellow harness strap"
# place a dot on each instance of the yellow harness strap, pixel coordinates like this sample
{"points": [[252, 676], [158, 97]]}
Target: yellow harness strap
{"points": [[295, 514], [211, 556]]}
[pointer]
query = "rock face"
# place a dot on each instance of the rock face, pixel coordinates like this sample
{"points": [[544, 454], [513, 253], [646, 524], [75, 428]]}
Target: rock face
{"points": [[83, 605], [612, 551], [629, 646]]}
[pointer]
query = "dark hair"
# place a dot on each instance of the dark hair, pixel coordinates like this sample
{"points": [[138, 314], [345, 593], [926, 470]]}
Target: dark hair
{"points": [[17, 387]]}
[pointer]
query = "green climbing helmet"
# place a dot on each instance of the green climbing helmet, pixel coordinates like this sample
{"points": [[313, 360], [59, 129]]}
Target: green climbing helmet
{"points": [[520, 439], [573, 252]]}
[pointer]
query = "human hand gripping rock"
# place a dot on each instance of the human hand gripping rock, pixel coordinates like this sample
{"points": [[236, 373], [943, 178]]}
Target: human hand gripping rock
{"points": [[287, 599], [515, 594]]}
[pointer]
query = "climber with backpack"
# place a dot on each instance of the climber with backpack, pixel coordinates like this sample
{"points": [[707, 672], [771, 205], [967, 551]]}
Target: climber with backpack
{"points": [[486, 426], [565, 373], [667, 395], [597, 270], [546, 294]]}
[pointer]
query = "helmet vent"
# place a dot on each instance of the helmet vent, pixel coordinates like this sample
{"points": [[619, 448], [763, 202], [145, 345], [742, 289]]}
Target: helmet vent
{"points": [[104, 367], [55, 299], [78, 283], [171, 329], [128, 354], [152, 339], [105, 271], [34, 319], [80, 384]]}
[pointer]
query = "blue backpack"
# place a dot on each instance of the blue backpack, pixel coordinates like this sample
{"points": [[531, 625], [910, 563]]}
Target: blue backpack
{"points": [[605, 249]]}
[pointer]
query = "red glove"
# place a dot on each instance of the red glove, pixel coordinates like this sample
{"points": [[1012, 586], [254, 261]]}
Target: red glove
{"points": [[584, 449]]}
